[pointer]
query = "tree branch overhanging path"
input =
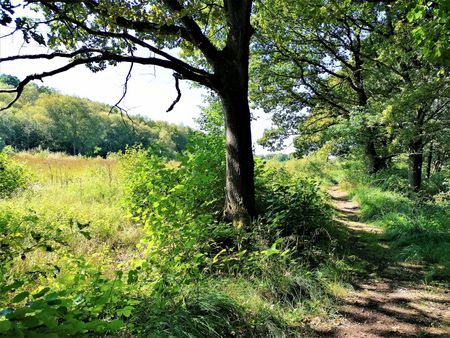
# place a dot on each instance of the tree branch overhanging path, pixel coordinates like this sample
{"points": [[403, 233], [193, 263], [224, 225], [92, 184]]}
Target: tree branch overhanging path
{"points": [[103, 33]]}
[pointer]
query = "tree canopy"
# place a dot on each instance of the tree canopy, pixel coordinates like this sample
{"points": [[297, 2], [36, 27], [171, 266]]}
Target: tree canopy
{"points": [[325, 68], [350, 73]]}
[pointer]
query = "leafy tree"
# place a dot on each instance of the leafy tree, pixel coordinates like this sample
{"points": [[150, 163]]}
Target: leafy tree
{"points": [[73, 124], [414, 105], [9, 80], [323, 68], [349, 73], [43, 118], [431, 28], [215, 37]]}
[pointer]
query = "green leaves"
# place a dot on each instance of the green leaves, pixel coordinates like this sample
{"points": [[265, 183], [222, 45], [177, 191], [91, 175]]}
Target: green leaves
{"points": [[41, 293], [14, 177], [132, 277], [115, 325], [57, 313], [431, 22], [56, 122], [20, 297]]}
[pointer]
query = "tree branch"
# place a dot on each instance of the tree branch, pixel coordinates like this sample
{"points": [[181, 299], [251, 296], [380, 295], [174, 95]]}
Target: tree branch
{"points": [[177, 87], [195, 33], [104, 56], [126, 36]]}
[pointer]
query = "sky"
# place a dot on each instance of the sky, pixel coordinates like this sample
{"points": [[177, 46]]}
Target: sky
{"points": [[151, 90]]}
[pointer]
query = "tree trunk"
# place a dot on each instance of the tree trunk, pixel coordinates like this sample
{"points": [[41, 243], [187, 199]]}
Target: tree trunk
{"points": [[415, 165], [371, 157], [240, 189], [439, 162], [429, 160], [374, 162], [416, 152], [231, 83]]}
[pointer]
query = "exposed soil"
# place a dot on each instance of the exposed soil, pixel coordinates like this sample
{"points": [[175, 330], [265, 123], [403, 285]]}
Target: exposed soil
{"points": [[390, 297]]}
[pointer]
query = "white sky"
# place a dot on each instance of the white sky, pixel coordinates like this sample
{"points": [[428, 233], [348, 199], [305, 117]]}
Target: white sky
{"points": [[151, 90]]}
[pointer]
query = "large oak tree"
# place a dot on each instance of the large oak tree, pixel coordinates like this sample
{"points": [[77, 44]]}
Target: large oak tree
{"points": [[214, 36]]}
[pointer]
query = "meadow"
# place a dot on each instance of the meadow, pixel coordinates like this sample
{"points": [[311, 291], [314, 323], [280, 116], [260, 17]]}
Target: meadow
{"points": [[81, 240], [126, 245], [69, 193]]}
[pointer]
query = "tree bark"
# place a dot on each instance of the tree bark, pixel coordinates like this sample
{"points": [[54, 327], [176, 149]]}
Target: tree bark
{"points": [[416, 152], [415, 165], [372, 159], [231, 83], [439, 162], [374, 162], [429, 160], [240, 189]]}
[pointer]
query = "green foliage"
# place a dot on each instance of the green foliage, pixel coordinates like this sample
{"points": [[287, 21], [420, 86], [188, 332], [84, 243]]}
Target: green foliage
{"points": [[72, 241], [13, 176], [176, 203], [44, 119], [200, 315], [431, 25], [9, 80], [61, 243], [416, 224], [352, 74], [34, 303], [293, 201], [180, 204]]}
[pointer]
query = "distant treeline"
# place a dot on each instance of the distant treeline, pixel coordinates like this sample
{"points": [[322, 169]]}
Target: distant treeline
{"points": [[43, 118]]}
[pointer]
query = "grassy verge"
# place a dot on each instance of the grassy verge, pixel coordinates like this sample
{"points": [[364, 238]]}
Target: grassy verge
{"points": [[417, 225], [87, 276]]}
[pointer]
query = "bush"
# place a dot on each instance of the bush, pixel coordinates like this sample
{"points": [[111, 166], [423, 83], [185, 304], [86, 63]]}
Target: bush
{"points": [[177, 203], [187, 246], [293, 202], [13, 176], [46, 300]]}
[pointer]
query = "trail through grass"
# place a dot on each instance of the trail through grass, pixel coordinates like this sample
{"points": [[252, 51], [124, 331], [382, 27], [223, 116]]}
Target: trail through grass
{"points": [[390, 298]]}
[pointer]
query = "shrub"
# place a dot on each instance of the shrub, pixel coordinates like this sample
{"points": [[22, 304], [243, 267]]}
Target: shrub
{"points": [[177, 203], [180, 203], [49, 301], [293, 202], [13, 176]]}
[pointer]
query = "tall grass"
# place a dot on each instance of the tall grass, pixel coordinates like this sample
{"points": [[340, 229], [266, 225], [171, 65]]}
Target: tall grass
{"points": [[67, 191], [258, 285], [418, 225]]}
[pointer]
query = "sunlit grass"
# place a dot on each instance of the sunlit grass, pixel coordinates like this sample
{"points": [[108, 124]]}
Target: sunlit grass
{"points": [[82, 198], [419, 228], [68, 191]]}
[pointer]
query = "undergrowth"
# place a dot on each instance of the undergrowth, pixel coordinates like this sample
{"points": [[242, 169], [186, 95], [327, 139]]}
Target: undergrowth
{"points": [[137, 246], [417, 224]]}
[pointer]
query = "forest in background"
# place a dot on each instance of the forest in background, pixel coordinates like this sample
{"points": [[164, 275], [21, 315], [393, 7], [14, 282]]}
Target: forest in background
{"points": [[44, 119]]}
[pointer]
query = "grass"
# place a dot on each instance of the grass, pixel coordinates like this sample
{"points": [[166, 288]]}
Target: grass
{"points": [[69, 191], [80, 200], [317, 165], [417, 225]]}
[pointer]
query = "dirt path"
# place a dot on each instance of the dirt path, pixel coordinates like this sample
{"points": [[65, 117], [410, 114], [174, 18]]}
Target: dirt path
{"points": [[389, 297]]}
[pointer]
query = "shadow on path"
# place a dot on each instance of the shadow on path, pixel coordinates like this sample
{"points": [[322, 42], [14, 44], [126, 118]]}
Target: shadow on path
{"points": [[389, 297]]}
